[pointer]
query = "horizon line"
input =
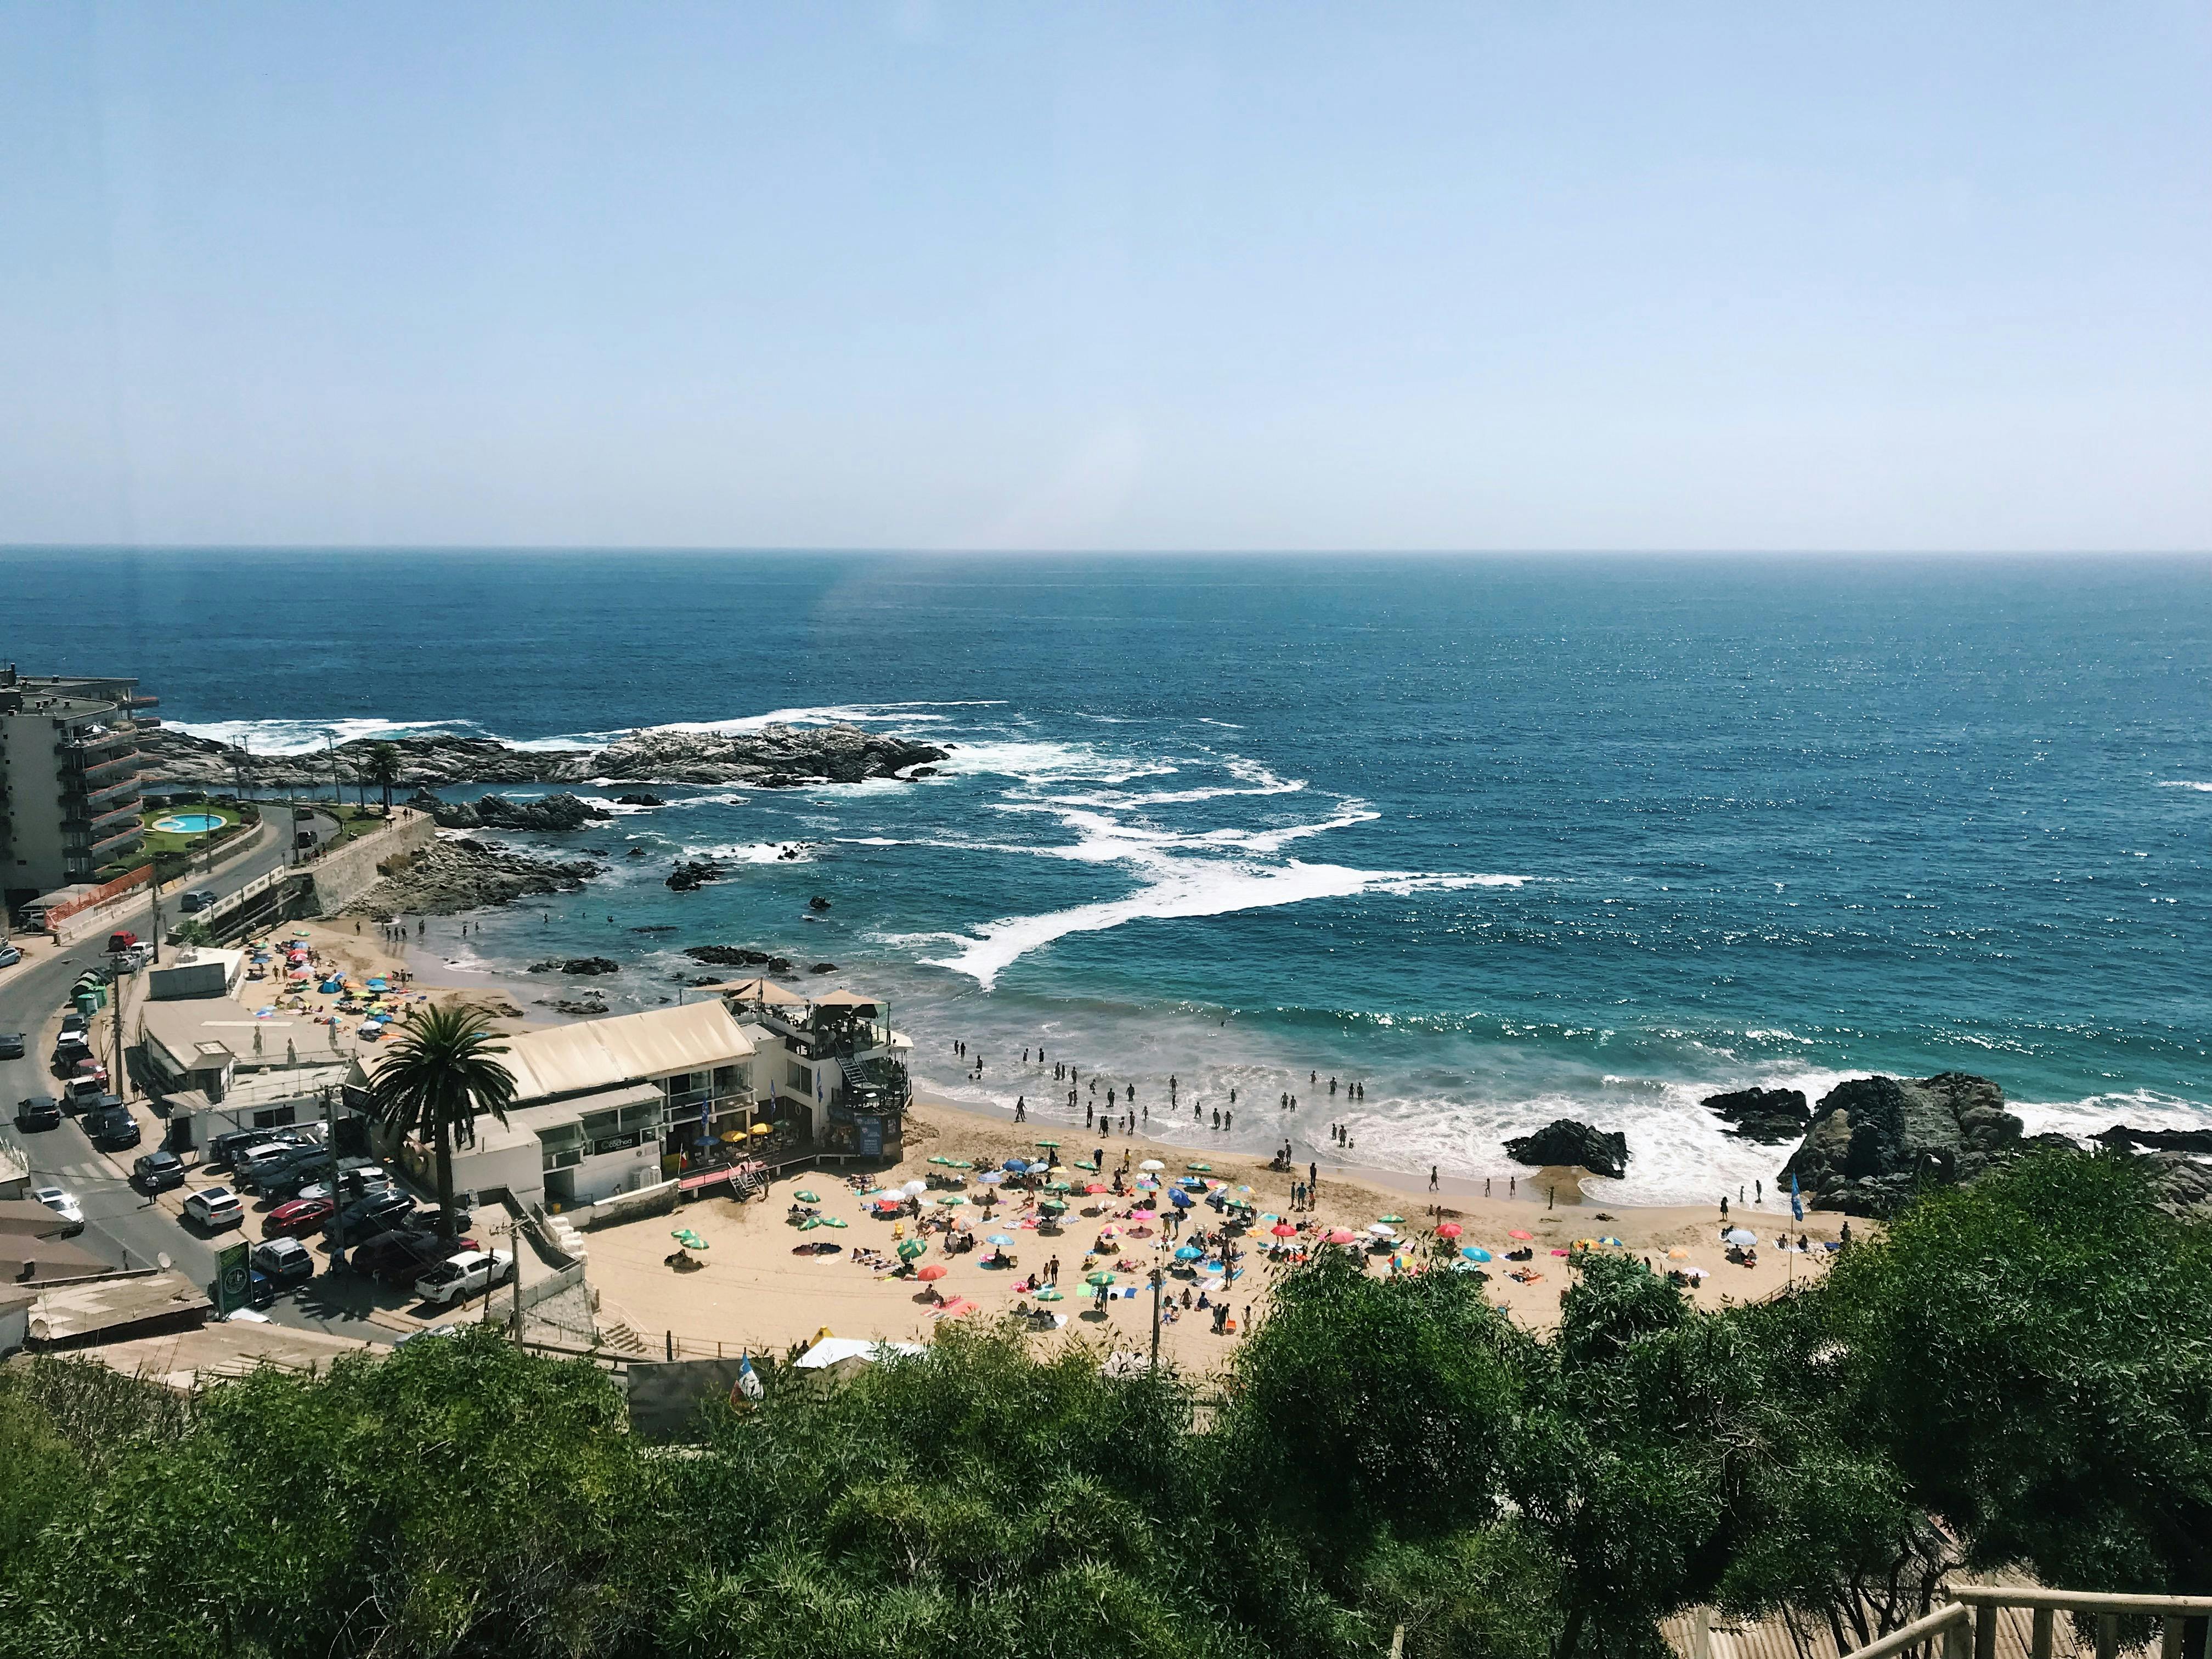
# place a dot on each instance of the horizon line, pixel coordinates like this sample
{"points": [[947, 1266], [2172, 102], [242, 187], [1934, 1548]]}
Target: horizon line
{"points": [[829, 551]]}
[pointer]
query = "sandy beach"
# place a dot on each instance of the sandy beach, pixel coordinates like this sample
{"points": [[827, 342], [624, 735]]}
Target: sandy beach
{"points": [[754, 1291]]}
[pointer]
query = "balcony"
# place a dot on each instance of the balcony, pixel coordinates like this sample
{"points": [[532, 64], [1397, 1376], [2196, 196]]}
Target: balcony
{"points": [[78, 764], [118, 792]]}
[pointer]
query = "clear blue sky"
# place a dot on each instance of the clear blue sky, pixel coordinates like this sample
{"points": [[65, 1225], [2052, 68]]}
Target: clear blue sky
{"points": [[1095, 276]]}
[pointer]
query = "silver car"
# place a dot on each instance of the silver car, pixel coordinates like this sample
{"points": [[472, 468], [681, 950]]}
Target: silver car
{"points": [[63, 1205]]}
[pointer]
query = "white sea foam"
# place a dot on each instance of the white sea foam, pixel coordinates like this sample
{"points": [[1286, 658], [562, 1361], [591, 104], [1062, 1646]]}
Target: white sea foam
{"points": [[291, 736], [762, 851], [2184, 783], [856, 713]]}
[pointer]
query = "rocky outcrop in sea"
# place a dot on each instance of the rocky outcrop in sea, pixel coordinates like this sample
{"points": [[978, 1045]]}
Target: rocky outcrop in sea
{"points": [[1564, 1141], [461, 874], [776, 757], [1773, 1117], [1873, 1139], [554, 814]]}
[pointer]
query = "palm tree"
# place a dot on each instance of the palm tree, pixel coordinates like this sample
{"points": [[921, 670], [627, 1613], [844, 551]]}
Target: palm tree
{"points": [[384, 769], [442, 1070]]}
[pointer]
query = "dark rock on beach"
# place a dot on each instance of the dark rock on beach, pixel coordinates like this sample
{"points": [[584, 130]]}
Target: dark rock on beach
{"points": [[639, 800], [1874, 1139], [1773, 1117], [823, 968], [693, 874], [1563, 1141], [577, 965]]}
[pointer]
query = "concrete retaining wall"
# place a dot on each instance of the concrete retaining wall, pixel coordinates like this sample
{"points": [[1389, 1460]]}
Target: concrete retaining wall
{"points": [[342, 876], [623, 1206]]}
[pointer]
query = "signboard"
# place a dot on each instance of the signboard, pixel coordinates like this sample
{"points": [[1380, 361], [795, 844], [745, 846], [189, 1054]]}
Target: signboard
{"points": [[233, 1278], [872, 1136]]}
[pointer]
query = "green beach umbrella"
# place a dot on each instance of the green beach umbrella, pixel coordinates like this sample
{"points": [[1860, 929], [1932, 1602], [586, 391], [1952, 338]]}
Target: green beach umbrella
{"points": [[807, 1198], [831, 1221], [1053, 1144], [958, 1163], [952, 1198], [1098, 1278], [1052, 1206], [911, 1248], [687, 1239], [1049, 1293], [1202, 1168], [1392, 1220], [809, 1223]]}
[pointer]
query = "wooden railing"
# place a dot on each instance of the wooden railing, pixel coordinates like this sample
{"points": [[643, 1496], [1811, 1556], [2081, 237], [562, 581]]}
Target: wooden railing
{"points": [[1968, 1625]]}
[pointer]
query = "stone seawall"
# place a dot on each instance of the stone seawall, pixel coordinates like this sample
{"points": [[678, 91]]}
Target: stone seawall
{"points": [[340, 878]]}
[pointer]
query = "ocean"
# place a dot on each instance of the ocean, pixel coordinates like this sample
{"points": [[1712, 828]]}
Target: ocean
{"points": [[1500, 839]]}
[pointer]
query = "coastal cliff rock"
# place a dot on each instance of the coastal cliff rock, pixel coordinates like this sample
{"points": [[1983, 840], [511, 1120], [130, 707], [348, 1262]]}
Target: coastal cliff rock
{"points": [[449, 876], [727, 956], [1873, 1139], [1773, 1117], [2161, 1140], [577, 965], [776, 757], [693, 874], [1564, 1141], [554, 814]]}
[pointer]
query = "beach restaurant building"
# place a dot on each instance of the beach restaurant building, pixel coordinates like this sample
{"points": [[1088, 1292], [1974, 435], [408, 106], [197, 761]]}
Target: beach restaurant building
{"points": [[602, 1106], [833, 1072]]}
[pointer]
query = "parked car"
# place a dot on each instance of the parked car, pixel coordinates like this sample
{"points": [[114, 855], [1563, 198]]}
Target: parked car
{"points": [[39, 1112], [75, 1023], [200, 898], [158, 1170], [120, 941], [63, 1205], [215, 1208], [458, 1277], [358, 1178], [429, 1216], [12, 1044], [379, 1212], [257, 1165], [285, 1260], [110, 1127], [300, 1219], [70, 1047], [225, 1148], [9, 956], [403, 1256]]}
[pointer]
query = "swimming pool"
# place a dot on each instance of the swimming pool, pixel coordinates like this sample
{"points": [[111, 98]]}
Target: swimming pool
{"points": [[188, 823]]}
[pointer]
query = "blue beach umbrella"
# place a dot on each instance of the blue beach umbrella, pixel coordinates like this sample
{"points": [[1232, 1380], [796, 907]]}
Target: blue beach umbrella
{"points": [[1188, 1253], [999, 1239], [1474, 1253], [1179, 1198]]}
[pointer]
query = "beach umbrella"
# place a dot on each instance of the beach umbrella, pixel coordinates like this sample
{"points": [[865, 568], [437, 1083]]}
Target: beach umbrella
{"points": [[1474, 1253], [940, 1160], [1392, 1220], [911, 1248], [763, 1129], [1188, 1253], [1450, 1230], [806, 1197], [1678, 1254], [999, 1239], [1615, 1242], [832, 1220], [1380, 1228], [1341, 1235], [1152, 1163], [1017, 1165], [687, 1239], [994, 1178], [935, 1270], [1053, 1206], [952, 1198], [1742, 1236], [1100, 1279], [1094, 1187], [1057, 1171], [1518, 1233], [1283, 1229], [1052, 1144], [809, 1223], [1202, 1168], [730, 1137], [1179, 1198], [914, 1189], [1144, 1213], [1049, 1293]]}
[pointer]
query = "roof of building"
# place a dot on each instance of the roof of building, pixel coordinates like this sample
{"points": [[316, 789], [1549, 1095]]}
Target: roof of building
{"points": [[757, 990], [181, 1359], [28, 1217], [77, 1310], [593, 1055], [206, 1033], [25, 1259], [554, 1113]]}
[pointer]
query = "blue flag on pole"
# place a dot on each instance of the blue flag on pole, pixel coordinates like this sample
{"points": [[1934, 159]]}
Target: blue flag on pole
{"points": [[1797, 1204]]}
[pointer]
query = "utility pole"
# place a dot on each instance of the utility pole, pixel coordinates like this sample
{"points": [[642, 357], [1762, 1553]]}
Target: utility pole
{"points": [[121, 1075], [157, 885], [1157, 1279], [337, 1198]]}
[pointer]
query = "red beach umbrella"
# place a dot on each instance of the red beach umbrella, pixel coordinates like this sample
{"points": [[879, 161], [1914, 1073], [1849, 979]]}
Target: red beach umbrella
{"points": [[1283, 1229], [1450, 1230], [1518, 1233], [935, 1270]]}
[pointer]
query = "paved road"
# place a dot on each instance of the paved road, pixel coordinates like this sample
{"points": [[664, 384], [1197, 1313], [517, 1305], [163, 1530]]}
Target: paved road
{"points": [[120, 1225]]}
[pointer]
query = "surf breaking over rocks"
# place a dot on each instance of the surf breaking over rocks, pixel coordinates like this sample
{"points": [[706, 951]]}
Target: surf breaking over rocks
{"points": [[775, 755]]}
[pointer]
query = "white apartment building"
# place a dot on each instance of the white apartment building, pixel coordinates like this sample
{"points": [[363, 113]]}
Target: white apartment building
{"points": [[69, 780]]}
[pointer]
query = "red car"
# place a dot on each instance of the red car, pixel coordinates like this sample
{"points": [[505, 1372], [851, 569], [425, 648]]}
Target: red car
{"points": [[298, 1218]]}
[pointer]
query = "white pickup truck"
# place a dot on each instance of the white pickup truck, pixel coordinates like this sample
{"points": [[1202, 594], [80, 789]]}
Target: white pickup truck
{"points": [[460, 1277]]}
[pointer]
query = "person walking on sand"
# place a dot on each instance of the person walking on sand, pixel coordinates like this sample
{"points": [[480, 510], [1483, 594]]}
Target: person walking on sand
{"points": [[1724, 1207], [1432, 1177]]}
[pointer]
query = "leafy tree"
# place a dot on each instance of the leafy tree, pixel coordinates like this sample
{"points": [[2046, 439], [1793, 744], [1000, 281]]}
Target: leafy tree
{"points": [[2033, 1351], [440, 1072]]}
